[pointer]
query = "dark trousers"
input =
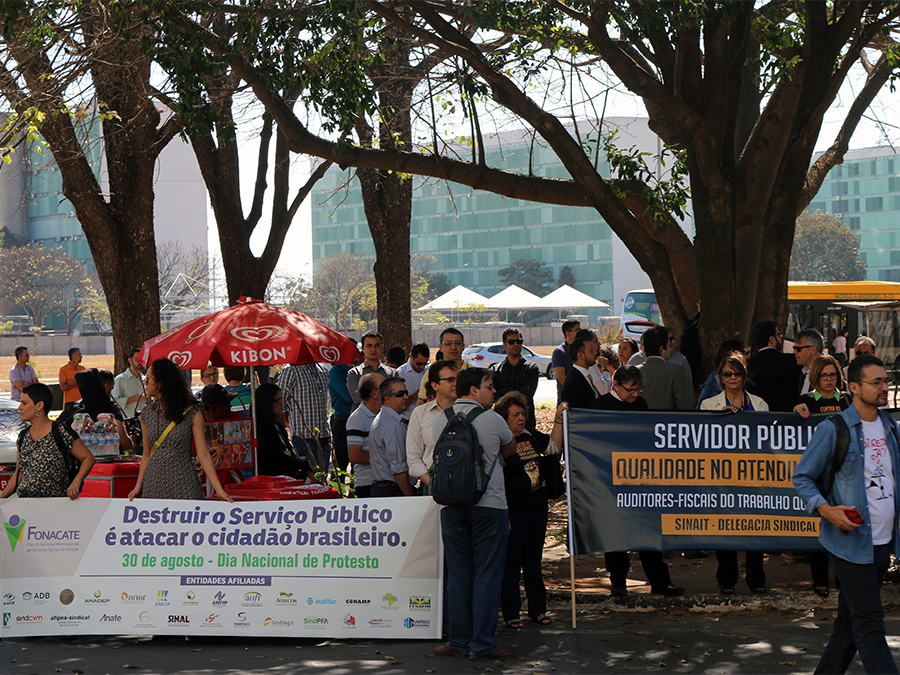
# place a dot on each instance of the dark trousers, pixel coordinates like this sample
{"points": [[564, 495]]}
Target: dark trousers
{"points": [[339, 440], [389, 490], [363, 491], [307, 447], [524, 550], [728, 573], [818, 565], [859, 626], [618, 564]]}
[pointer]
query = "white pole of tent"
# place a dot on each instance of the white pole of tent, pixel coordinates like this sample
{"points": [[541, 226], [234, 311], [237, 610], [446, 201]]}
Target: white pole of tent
{"points": [[254, 435]]}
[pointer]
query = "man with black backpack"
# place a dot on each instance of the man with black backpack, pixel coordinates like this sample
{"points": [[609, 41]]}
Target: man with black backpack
{"points": [[474, 535], [848, 475]]}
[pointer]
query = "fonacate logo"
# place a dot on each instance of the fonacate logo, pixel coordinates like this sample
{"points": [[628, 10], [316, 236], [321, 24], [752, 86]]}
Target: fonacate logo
{"points": [[15, 530]]}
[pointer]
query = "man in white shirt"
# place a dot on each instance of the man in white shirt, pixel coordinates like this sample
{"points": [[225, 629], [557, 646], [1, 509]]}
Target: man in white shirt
{"points": [[128, 389], [420, 436]]}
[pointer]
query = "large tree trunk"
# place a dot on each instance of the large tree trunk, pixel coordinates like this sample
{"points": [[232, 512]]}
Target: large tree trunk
{"points": [[119, 231]]}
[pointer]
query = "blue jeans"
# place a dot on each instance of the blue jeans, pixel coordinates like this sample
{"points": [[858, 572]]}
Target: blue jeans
{"points": [[306, 447], [475, 550], [859, 626]]}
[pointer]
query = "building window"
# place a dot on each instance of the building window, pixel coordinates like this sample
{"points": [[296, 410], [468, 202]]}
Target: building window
{"points": [[841, 206], [874, 167], [854, 222], [889, 275], [853, 169], [840, 189], [874, 204], [895, 258]]}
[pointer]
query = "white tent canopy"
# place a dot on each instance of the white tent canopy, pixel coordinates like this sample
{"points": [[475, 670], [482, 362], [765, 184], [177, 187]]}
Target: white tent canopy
{"points": [[566, 297], [514, 297], [455, 298]]}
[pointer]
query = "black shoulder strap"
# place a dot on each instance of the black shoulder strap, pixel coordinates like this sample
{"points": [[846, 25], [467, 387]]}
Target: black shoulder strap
{"points": [[841, 444]]}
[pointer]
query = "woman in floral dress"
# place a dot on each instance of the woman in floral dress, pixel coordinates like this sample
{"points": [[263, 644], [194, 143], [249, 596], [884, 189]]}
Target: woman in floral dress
{"points": [[167, 470], [42, 466]]}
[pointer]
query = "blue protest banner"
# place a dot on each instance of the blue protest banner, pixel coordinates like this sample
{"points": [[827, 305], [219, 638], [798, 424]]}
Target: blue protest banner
{"points": [[687, 480]]}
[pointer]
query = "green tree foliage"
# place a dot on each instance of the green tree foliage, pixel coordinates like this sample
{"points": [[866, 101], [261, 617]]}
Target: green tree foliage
{"points": [[825, 250], [42, 280], [535, 277], [566, 276]]}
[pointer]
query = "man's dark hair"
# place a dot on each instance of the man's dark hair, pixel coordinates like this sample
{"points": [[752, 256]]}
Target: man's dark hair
{"points": [[367, 385], [470, 377], [512, 330], [813, 337], [73, 351], [761, 332], [232, 373], [106, 377], [420, 349], [19, 350], [585, 334], [654, 340], [576, 348], [628, 375], [395, 356], [608, 354], [385, 388], [855, 369], [569, 325], [434, 373], [133, 352], [454, 331], [370, 334]]}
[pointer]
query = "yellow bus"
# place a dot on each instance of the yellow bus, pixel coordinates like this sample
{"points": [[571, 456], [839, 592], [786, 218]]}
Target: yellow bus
{"points": [[862, 307]]}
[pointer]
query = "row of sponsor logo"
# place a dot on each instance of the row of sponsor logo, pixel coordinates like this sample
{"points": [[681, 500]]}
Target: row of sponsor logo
{"points": [[220, 599], [213, 620]]}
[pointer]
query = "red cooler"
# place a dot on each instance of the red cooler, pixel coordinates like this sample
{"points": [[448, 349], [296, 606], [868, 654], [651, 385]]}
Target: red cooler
{"points": [[113, 476], [272, 488]]}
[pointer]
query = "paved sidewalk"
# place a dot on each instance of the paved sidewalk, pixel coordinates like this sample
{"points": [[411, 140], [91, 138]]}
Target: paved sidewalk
{"points": [[677, 641]]}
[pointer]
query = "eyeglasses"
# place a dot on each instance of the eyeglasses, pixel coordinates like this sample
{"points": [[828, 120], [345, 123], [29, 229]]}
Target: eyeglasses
{"points": [[732, 373], [515, 342], [421, 364], [800, 349], [400, 394], [447, 379], [827, 376], [455, 343], [886, 382], [632, 390]]}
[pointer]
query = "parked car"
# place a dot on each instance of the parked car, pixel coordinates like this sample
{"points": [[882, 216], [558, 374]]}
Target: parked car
{"points": [[10, 425], [487, 353]]}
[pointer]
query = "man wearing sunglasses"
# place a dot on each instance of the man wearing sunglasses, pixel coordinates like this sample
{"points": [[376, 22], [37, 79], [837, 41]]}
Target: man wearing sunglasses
{"points": [[387, 439], [420, 438], [413, 372], [514, 373]]}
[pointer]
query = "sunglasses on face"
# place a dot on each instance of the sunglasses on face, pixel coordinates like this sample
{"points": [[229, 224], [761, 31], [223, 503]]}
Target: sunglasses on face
{"points": [[515, 342], [400, 394], [732, 373]]}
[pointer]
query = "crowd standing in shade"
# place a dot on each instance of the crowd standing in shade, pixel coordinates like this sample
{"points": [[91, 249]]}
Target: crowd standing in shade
{"points": [[386, 418]]}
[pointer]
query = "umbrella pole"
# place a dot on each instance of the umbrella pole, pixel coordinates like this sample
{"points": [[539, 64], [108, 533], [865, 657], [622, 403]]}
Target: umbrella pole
{"points": [[253, 416]]}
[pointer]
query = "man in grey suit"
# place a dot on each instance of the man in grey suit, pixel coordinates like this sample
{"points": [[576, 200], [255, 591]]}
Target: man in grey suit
{"points": [[665, 386]]}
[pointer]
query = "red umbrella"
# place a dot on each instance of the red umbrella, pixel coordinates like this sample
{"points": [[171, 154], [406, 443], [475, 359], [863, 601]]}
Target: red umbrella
{"points": [[250, 333]]}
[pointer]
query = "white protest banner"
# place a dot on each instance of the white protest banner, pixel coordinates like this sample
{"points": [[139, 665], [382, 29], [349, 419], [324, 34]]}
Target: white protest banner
{"points": [[360, 567]]}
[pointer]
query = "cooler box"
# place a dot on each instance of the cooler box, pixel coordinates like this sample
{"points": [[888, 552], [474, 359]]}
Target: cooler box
{"points": [[6, 474], [273, 488], [112, 476]]}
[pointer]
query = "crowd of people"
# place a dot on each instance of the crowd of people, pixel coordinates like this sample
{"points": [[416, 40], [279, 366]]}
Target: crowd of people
{"points": [[376, 424]]}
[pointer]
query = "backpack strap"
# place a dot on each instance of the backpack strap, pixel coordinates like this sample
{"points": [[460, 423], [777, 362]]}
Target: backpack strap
{"points": [[841, 444]]}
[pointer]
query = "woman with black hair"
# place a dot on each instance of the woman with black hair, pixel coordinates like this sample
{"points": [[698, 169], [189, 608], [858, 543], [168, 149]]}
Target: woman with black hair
{"points": [[44, 453], [167, 424], [274, 454], [95, 402]]}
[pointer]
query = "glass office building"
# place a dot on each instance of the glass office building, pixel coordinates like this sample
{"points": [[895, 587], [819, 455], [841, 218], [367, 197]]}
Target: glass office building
{"points": [[473, 234], [864, 192]]}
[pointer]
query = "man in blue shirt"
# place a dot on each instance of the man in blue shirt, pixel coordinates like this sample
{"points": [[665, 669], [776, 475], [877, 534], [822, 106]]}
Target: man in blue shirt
{"points": [[387, 442], [859, 516]]}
